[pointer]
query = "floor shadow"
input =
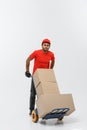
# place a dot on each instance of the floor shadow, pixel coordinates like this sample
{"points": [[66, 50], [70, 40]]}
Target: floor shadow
{"points": [[51, 122]]}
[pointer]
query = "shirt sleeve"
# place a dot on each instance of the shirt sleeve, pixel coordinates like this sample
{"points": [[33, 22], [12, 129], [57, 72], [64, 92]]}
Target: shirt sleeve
{"points": [[52, 56], [32, 55]]}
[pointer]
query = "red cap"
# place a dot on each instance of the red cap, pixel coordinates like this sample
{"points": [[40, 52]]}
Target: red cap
{"points": [[46, 41]]}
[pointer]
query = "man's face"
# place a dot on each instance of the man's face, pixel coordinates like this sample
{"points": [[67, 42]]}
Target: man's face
{"points": [[45, 47]]}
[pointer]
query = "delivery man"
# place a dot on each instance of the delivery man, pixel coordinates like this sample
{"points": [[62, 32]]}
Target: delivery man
{"points": [[43, 58]]}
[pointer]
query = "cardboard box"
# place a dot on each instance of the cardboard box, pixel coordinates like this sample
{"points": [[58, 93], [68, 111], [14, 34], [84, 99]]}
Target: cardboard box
{"points": [[47, 102], [47, 88], [44, 75]]}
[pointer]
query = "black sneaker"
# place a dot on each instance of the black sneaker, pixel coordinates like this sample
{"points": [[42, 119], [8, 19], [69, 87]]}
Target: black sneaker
{"points": [[30, 113]]}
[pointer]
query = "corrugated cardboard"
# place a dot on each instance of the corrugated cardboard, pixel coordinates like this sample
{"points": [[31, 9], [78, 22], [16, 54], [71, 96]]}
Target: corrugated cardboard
{"points": [[47, 88], [47, 102], [44, 75]]}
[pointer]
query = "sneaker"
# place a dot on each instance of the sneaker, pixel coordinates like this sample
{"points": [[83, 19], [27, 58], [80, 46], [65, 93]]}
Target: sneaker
{"points": [[30, 113]]}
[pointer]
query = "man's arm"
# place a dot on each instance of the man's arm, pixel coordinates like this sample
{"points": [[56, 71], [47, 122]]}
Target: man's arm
{"points": [[27, 73], [52, 64], [28, 64]]}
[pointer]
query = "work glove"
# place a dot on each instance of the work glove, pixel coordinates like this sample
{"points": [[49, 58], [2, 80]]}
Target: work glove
{"points": [[27, 74]]}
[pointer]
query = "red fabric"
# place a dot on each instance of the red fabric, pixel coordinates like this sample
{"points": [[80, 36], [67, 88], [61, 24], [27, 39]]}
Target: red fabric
{"points": [[46, 41], [41, 59]]}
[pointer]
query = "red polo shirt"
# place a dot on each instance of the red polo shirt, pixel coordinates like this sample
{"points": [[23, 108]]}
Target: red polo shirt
{"points": [[41, 59]]}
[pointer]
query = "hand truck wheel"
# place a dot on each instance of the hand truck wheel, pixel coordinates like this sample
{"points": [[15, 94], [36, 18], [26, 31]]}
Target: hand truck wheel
{"points": [[34, 116], [60, 119]]}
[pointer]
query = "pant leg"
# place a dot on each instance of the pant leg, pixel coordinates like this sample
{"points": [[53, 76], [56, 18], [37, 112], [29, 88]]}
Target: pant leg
{"points": [[32, 96]]}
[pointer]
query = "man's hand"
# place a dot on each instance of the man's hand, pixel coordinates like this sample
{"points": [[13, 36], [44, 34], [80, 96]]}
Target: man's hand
{"points": [[27, 74]]}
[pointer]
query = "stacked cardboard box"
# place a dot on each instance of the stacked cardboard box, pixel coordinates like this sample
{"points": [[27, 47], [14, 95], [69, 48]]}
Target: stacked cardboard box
{"points": [[46, 88], [45, 82], [48, 94]]}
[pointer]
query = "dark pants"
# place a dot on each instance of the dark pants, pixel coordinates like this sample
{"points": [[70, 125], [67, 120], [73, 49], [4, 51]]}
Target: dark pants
{"points": [[32, 96]]}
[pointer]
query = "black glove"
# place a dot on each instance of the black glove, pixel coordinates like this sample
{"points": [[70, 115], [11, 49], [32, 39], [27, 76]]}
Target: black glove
{"points": [[27, 74]]}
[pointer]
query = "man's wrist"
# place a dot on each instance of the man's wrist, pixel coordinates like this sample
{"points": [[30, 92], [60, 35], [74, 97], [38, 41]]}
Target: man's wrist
{"points": [[27, 71]]}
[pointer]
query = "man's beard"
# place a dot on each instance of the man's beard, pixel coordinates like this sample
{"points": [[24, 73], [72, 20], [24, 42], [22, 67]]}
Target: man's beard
{"points": [[45, 50]]}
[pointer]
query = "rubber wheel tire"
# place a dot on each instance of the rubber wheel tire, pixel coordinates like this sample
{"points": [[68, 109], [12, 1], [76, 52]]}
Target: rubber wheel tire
{"points": [[34, 116], [60, 119]]}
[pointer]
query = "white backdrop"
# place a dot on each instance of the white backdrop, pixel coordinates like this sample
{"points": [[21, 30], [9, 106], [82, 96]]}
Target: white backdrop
{"points": [[23, 25]]}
